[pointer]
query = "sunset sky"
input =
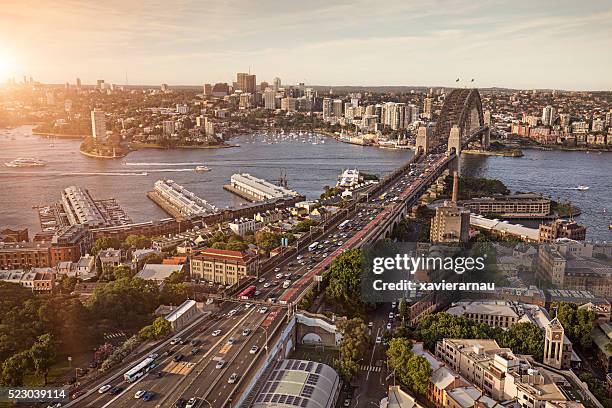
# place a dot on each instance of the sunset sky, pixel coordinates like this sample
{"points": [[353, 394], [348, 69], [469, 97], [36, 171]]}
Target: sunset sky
{"points": [[514, 43]]}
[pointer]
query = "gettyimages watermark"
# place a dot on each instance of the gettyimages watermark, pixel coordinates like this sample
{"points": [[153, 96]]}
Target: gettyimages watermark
{"points": [[410, 270]]}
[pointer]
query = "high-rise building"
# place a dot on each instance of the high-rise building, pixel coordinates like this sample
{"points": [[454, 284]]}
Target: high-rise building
{"points": [[414, 113], [100, 85], [78, 83], [428, 108], [327, 109], [246, 82], [549, 115], [246, 100], [182, 108], [98, 125], [393, 115], [289, 104], [269, 99], [164, 87], [276, 83], [337, 107], [207, 89], [263, 86]]}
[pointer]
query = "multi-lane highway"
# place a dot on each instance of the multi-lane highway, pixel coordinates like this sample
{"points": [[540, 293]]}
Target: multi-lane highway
{"points": [[199, 374]]}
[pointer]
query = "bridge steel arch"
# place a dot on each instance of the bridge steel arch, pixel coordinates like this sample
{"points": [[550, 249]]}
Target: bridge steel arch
{"points": [[462, 107]]}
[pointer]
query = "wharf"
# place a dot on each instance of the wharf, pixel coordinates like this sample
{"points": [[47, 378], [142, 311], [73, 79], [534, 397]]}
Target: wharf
{"points": [[241, 194]]}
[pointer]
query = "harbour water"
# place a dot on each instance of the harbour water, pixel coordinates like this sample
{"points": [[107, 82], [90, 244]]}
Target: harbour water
{"points": [[557, 174], [308, 168]]}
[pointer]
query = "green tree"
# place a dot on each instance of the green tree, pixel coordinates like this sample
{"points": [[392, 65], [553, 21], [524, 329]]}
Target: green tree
{"points": [[403, 308], [413, 371], [434, 327], [344, 288], [158, 329], [122, 271], [137, 242], [43, 354], [68, 283], [104, 243], [577, 322], [14, 369], [353, 346], [523, 338]]}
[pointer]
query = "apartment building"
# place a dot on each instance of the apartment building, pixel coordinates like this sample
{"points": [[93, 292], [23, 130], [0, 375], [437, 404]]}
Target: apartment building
{"points": [[499, 373], [527, 205], [223, 266]]}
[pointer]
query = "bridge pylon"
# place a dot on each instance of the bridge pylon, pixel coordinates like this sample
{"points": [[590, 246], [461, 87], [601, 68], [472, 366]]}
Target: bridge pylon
{"points": [[485, 139], [423, 140], [454, 147]]}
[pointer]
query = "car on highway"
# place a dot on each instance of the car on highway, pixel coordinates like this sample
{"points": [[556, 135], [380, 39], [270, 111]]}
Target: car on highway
{"points": [[153, 356], [148, 396], [267, 285], [263, 310], [192, 403], [257, 293], [220, 364], [378, 339], [195, 351], [277, 269], [389, 326], [175, 340], [261, 280], [248, 305], [196, 342], [232, 378], [139, 394], [104, 388], [178, 358], [115, 390], [216, 333], [231, 340], [180, 403], [390, 315], [253, 350], [246, 332], [371, 324], [279, 276], [347, 402]]}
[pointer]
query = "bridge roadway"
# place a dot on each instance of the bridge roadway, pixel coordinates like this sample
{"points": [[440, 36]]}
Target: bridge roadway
{"points": [[196, 375]]}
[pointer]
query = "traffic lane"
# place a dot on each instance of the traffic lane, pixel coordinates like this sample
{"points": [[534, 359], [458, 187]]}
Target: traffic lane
{"points": [[164, 384], [203, 381], [241, 365], [96, 398]]}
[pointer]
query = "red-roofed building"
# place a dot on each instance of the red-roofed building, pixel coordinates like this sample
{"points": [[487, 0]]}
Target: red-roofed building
{"points": [[223, 266], [175, 260]]}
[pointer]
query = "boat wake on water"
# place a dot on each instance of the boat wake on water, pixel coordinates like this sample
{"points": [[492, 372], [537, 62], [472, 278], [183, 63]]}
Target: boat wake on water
{"points": [[162, 164], [63, 173]]}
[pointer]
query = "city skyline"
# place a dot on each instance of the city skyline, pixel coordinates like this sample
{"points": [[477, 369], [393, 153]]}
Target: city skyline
{"points": [[557, 45]]}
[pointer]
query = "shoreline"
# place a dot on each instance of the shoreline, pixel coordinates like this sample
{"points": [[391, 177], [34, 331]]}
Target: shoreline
{"points": [[505, 153], [58, 135], [560, 148], [137, 145], [99, 156]]}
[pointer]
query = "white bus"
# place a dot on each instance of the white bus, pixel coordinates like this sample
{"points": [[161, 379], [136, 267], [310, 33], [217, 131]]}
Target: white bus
{"points": [[313, 246], [343, 224], [139, 370]]}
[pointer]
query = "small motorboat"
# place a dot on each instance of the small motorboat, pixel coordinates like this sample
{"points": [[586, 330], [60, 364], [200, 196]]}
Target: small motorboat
{"points": [[201, 169], [582, 188]]}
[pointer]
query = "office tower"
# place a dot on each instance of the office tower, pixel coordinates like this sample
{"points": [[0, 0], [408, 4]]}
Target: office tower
{"points": [[289, 104], [337, 108], [263, 86], [78, 83], [414, 113], [309, 93], [98, 125], [182, 108], [327, 109], [355, 101], [549, 115], [207, 89], [246, 100], [269, 99], [428, 108], [276, 83], [100, 84], [164, 87], [246, 82]]}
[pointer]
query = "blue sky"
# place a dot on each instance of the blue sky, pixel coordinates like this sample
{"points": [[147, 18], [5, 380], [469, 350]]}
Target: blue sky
{"points": [[522, 44]]}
